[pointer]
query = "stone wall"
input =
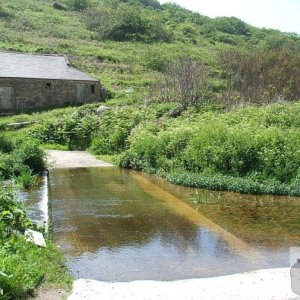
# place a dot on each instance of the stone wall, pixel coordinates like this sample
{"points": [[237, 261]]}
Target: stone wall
{"points": [[30, 94]]}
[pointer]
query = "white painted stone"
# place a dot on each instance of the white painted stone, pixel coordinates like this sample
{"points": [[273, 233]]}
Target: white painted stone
{"points": [[35, 237], [102, 109]]}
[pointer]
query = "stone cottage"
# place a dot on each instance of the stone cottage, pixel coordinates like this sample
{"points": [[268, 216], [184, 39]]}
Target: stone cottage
{"points": [[29, 82]]}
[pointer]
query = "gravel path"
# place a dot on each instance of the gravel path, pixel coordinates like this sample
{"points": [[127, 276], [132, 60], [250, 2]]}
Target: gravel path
{"points": [[73, 159]]}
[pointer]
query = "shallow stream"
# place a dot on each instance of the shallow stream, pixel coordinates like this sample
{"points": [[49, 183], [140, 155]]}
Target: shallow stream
{"points": [[116, 225]]}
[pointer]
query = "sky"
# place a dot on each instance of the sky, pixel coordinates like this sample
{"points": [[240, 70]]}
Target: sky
{"points": [[277, 14]]}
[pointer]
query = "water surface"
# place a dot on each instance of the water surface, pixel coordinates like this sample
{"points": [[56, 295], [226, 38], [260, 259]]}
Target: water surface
{"points": [[114, 225]]}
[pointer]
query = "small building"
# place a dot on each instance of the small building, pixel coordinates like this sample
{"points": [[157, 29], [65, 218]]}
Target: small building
{"points": [[32, 82]]}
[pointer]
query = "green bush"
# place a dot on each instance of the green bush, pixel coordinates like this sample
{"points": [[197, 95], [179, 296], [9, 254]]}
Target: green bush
{"points": [[21, 155], [12, 215], [255, 150], [24, 265], [78, 5], [123, 22], [25, 180], [114, 129], [74, 131], [30, 155], [6, 144], [244, 185]]}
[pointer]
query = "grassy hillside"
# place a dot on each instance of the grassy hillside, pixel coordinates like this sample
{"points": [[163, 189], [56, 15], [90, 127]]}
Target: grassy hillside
{"points": [[100, 38]]}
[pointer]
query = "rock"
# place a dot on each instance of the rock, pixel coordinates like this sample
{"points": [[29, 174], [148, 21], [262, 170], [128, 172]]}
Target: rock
{"points": [[20, 124], [35, 237], [102, 109], [59, 6]]}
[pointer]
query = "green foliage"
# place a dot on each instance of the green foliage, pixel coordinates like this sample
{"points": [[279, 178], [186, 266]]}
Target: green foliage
{"points": [[244, 185], [114, 130], [24, 265], [126, 23], [232, 25], [73, 131], [4, 13], [78, 5], [261, 76], [257, 147], [12, 215], [19, 155], [237, 151], [184, 81], [147, 3], [25, 180], [30, 155]]}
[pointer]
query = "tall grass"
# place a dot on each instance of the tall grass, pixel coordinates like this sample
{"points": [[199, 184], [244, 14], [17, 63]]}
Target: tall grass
{"points": [[25, 180], [24, 265]]}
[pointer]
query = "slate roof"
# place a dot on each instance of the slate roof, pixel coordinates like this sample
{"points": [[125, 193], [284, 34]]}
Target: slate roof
{"points": [[17, 65]]}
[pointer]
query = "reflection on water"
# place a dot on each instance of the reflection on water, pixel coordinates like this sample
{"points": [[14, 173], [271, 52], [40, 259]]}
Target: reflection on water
{"points": [[36, 199], [115, 225], [270, 221]]}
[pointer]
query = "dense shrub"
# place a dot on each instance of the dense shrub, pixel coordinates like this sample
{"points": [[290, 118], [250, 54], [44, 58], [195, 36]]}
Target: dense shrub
{"points": [[73, 131], [147, 3], [261, 76], [19, 155], [30, 155], [25, 180], [12, 214], [127, 23], [115, 127], [184, 81], [152, 150], [6, 144], [259, 147], [245, 150], [23, 265], [232, 25], [78, 5]]}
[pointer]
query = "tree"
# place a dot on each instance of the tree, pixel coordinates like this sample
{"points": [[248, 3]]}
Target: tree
{"points": [[127, 23], [79, 5], [232, 25]]}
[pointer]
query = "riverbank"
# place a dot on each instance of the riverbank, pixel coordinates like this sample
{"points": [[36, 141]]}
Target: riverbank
{"points": [[262, 284], [251, 150], [24, 266]]}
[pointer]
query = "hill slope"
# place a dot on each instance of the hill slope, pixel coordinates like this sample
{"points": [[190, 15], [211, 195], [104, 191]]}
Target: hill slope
{"points": [[125, 43], [177, 82]]}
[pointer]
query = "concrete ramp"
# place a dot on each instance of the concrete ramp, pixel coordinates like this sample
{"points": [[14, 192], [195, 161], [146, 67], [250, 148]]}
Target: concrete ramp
{"points": [[273, 284], [73, 159]]}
